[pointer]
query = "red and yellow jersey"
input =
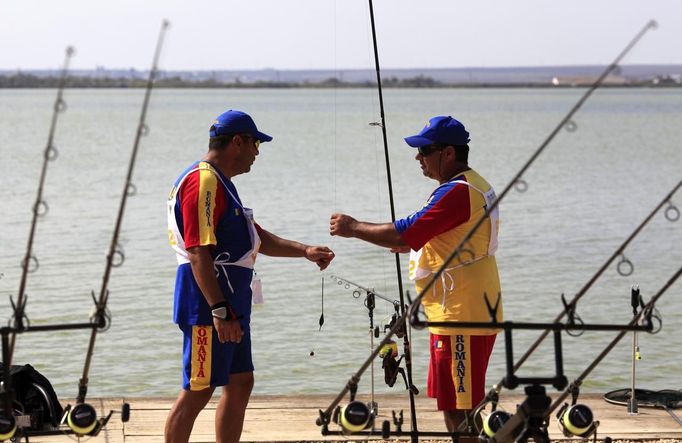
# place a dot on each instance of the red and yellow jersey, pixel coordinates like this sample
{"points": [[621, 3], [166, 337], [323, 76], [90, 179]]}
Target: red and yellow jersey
{"points": [[435, 231], [204, 209], [201, 202]]}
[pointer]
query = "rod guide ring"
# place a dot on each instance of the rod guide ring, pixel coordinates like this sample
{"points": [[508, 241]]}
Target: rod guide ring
{"points": [[625, 266], [672, 213]]}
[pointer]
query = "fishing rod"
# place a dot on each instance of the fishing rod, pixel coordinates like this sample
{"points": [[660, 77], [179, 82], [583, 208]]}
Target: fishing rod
{"points": [[116, 257], [531, 418], [30, 263], [389, 355], [642, 312], [356, 292], [519, 184], [40, 413], [526, 420], [624, 268], [406, 339]]}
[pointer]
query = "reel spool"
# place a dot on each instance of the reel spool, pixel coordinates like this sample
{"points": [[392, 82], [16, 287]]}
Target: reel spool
{"points": [[355, 416], [576, 420], [390, 348], [82, 419], [8, 426], [494, 422]]}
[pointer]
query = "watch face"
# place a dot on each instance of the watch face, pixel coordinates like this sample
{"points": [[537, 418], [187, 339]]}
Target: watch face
{"points": [[220, 313]]}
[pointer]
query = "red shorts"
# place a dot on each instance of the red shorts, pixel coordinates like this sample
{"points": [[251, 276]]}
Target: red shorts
{"points": [[457, 370]]}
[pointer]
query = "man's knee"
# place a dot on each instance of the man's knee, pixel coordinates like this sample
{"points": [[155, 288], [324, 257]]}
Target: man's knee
{"points": [[242, 381], [193, 401]]}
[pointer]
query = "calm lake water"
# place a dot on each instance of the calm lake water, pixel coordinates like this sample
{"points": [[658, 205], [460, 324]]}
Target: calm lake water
{"points": [[587, 193]]}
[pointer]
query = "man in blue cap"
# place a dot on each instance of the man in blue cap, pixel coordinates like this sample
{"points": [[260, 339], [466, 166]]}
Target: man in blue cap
{"points": [[459, 357], [216, 241]]}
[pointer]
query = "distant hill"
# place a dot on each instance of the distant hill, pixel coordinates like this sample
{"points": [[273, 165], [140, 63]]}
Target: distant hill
{"points": [[531, 76]]}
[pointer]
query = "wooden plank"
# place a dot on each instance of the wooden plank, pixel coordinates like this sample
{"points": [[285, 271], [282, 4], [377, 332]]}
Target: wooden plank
{"points": [[292, 418]]}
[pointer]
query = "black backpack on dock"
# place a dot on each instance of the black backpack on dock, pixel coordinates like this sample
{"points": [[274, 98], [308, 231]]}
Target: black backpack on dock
{"points": [[34, 396]]}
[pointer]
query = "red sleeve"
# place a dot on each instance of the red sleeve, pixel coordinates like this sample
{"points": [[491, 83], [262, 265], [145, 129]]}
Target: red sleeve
{"points": [[202, 202], [447, 208]]}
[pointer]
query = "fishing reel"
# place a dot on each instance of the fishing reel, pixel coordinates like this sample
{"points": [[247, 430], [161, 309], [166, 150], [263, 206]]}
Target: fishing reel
{"points": [[487, 423], [390, 365], [494, 422], [401, 331], [82, 418], [356, 416], [577, 420], [8, 425]]}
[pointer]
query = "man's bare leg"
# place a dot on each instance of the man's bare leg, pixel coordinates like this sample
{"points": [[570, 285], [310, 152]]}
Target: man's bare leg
{"points": [[229, 416], [453, 418], [181, 417]]}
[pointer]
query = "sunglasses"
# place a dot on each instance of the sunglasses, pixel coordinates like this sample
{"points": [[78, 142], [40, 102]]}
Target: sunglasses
{"points": [[256, 142], [430, 149]]}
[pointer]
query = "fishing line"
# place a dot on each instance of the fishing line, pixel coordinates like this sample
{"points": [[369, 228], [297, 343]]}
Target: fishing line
{"points": [[321, 320], [326, 414], [30, 263], [115, 257]]}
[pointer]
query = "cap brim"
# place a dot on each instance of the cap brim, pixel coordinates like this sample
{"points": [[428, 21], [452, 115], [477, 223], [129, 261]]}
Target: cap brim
{"points": [[263, 137], [417, 141]]}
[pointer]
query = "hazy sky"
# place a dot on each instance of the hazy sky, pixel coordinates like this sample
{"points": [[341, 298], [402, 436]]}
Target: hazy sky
{"points": [[335, 34]]}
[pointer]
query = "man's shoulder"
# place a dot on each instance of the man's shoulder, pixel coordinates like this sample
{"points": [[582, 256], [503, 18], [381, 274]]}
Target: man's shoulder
{"points": [[476, 179]]}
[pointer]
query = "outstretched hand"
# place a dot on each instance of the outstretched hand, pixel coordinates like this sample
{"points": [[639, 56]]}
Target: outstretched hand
{"points": [[320, 255], [341, 225]]}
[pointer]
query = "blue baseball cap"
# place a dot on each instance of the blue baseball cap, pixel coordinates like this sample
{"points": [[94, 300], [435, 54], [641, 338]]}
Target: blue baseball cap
{"points": [[441, 129], [236, 122]]}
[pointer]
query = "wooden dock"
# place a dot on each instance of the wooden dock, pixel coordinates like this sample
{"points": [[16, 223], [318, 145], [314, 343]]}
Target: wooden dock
{"points": [[292, 419]]}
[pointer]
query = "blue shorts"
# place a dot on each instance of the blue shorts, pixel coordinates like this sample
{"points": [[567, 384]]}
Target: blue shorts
{"points": [[207, 362]]}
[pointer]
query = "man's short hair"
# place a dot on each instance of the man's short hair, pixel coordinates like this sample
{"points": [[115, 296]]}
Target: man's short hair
{"points": [[462, 153], [219, 142]]}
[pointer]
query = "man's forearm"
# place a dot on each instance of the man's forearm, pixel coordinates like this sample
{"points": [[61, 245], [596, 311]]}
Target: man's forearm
{"points": [[202, 268], [380, 234], [275, 246]]}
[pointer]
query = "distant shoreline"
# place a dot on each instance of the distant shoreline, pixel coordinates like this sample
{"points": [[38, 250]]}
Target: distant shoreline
{"points": [[89, 83], [24, 80]]}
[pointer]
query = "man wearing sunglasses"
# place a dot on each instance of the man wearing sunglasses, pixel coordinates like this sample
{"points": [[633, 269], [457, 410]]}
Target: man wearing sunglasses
{"points": [[216, 241], [459, 357]]}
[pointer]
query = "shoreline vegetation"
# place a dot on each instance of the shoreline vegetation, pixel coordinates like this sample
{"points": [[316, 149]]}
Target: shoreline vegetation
{"points": [[22, 80]]}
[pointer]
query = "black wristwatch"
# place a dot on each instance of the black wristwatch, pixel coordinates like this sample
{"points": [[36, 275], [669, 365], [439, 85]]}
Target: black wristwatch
{"points": [[222, 311]]}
